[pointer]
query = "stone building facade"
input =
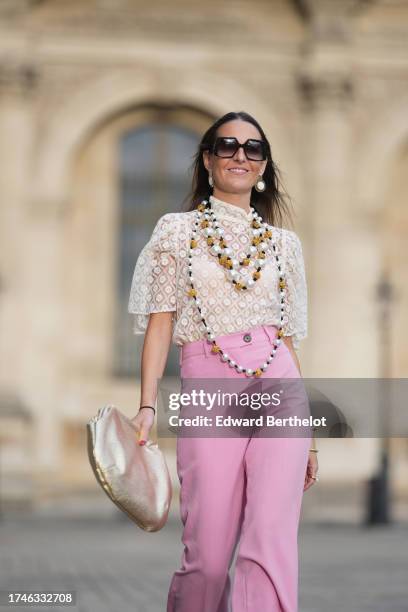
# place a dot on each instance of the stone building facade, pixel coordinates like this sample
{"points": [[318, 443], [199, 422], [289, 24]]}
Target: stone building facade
{"points": [[327, 79]]}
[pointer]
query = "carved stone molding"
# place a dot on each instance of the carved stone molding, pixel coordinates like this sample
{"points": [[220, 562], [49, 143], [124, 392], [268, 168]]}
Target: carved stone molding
{"points": [[17, 78], [325, 90], [330, 20], [311, 8]]}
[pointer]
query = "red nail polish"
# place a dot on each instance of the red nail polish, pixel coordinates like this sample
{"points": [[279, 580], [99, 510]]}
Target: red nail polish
{"points": [[142, 442]]}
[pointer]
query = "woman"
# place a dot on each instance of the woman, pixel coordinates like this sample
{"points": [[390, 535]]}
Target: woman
{"points": [[231, 292]]}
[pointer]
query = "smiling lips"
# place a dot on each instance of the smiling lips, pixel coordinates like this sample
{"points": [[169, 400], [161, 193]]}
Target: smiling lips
{"points": [[237, 170]]}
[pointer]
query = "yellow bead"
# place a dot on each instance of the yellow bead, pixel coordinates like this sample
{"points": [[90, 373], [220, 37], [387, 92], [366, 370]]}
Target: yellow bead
{"points": [[280, 333], [201, 207], [246, 261], [256, 275], [238, 285], [282, 284], [256, 240], [258, 372], [210, 240], [215, 348], [192, 292], [193, 243], [204, 223]]}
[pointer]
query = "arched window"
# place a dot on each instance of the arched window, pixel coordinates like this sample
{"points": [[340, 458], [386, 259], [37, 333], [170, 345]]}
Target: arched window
{"points": [[154, 178]]}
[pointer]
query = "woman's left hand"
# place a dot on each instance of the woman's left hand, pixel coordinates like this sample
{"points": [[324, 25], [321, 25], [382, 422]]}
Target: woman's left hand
{"points": [[311, 471]]}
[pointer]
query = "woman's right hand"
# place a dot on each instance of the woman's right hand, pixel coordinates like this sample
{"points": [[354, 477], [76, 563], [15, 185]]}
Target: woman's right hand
{"points": [[143, 421]]}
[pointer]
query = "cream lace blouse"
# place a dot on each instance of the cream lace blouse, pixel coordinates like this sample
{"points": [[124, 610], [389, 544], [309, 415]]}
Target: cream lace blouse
{"points": [[160, 280]]}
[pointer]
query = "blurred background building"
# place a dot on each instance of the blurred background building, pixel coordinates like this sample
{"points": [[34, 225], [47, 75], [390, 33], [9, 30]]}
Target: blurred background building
{"points": [[102, 104]]}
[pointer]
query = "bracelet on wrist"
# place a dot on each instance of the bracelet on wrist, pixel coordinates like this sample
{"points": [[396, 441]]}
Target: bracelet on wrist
{"points": [[151, 407], [313, 450]]}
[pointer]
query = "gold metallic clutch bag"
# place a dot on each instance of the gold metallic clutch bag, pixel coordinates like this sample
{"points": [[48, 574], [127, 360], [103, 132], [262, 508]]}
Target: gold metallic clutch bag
{"points": [[136, 478]]}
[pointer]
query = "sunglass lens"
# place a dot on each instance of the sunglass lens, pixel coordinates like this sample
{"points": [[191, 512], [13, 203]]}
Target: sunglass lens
{"points": [[225, 147], [255, 150]]}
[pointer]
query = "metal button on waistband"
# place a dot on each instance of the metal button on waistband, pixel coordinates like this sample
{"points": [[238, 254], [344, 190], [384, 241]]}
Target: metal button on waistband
{"points": [[247, 337]]}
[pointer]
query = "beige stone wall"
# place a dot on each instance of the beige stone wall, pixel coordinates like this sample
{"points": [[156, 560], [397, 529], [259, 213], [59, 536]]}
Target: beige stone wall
{"points": [[327, 80]]}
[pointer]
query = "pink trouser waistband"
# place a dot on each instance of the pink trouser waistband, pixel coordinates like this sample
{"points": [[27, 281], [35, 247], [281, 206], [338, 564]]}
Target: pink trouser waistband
{"points": [[253, 335]]}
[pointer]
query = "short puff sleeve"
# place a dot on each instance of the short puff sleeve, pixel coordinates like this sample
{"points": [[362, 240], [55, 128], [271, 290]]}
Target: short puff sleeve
{"points": [[296, 289], [153, 287]]}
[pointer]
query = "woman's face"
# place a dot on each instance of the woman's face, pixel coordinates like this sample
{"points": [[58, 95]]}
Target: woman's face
{"points": [[221, 168]]}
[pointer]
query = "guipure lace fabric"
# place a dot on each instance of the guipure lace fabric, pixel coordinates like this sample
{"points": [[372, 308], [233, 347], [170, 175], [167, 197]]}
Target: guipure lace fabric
{"points": [[160, 280]]}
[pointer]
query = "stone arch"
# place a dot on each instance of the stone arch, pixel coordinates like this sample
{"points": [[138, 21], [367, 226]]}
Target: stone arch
{"points": [[108, 95]]}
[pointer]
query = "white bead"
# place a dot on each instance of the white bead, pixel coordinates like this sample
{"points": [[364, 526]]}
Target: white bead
{"points": [[255, 231], [208, 231], [220, 231], [250, 282], [232, 363], [263, 246], [235, 263], [227, 251], [225, 357], [261, 262], [232, 274], [249, 372], [253, 249], [278, 341], [216, 249], [265, 365], [239, 368]]}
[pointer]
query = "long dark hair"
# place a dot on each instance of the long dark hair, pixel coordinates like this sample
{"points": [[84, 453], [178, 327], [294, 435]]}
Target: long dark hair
{"points": [[272, 204]]}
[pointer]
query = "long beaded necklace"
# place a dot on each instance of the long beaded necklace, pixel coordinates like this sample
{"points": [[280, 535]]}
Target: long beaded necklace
{"points": [[234, 267], [206, 219]]}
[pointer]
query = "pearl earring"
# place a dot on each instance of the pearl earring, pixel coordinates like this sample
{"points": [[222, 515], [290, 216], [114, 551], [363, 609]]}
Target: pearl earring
{"points": [[260, 184], [210, 179]]}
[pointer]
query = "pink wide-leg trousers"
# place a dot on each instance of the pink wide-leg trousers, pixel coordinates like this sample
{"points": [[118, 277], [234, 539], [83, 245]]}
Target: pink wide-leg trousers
{"points": [[239, 491]]}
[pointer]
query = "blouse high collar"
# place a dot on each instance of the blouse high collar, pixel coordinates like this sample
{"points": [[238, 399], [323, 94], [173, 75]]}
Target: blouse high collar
{"points": [[227, 210]]}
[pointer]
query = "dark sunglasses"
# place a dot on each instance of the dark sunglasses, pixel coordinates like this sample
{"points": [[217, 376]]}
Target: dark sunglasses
{"points": [[226, 146]]}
